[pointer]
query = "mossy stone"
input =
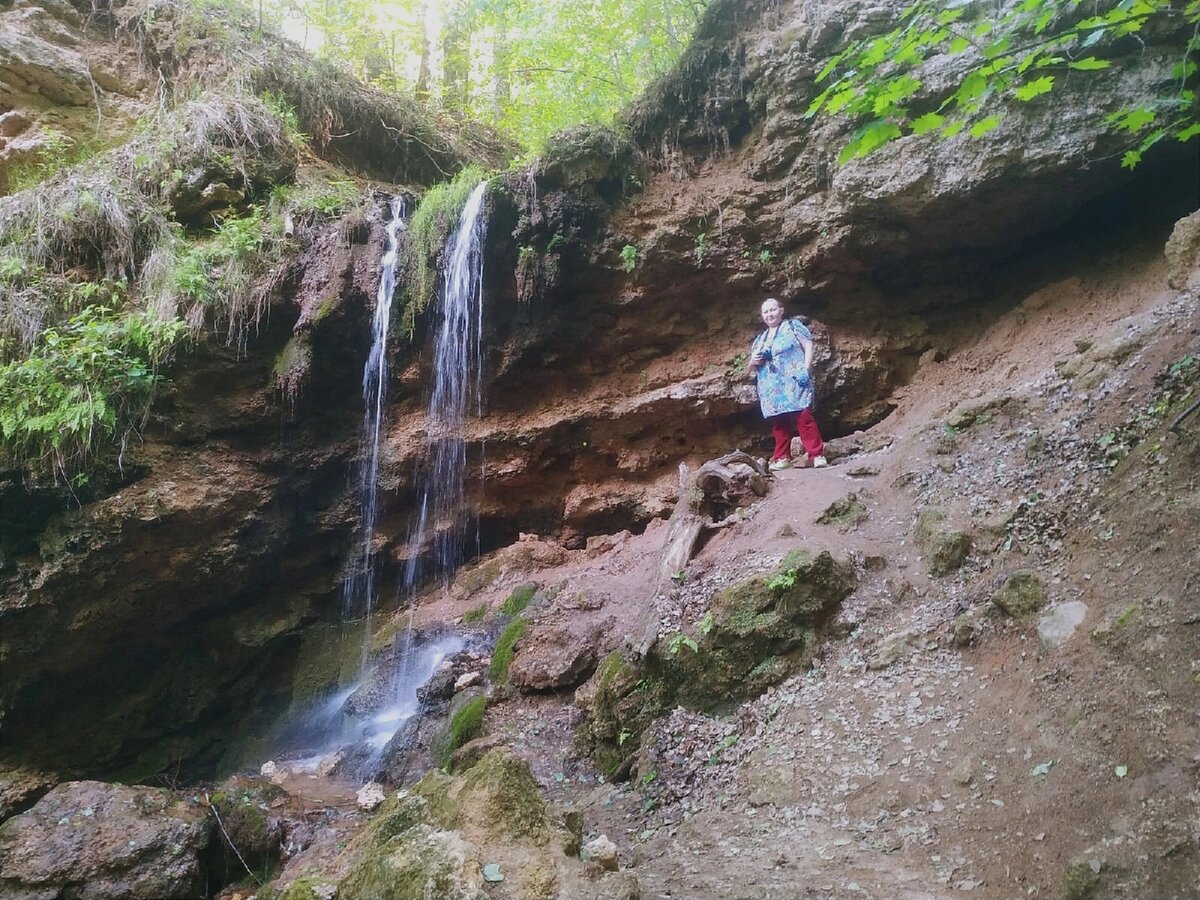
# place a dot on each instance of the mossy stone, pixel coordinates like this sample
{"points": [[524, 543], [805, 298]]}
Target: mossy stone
{"points": [[305, 889], [421, 863], [246, 824], [498, 795], [1021, 595], [1080, 879], [945, 549], [844, 514], [762, 629]]}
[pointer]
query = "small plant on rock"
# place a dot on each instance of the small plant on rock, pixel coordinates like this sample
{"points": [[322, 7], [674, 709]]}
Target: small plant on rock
{"points": [[630, 258]]}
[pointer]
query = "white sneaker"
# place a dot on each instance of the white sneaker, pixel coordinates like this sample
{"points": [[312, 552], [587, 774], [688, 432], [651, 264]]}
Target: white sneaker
{"points": [[820, 462], [777, 464]]}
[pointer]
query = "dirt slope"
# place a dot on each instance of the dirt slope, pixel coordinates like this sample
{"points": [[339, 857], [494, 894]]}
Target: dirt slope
{"points": [[938, 747]]}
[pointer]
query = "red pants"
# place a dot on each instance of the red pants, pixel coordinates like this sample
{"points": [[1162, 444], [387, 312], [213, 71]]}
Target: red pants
{"points": [[783, 429]]}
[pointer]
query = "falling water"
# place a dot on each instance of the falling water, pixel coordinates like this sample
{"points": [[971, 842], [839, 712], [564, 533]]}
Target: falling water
{"points": [[358, 589], [339, 721], [458, 362]]}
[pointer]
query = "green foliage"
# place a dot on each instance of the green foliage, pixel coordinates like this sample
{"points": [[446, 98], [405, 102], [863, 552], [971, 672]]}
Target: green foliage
{"points": [[502, 655], [326, 198], [465, 726], [57, 153], [516, 602], [475, 614], [435, 217], [84, 383], [700, 250], [630, 257], [1025, 51], [784, 577], [679, 641]]}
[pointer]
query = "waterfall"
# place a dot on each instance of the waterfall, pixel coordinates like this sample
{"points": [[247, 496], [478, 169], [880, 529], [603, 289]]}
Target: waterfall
{"points": [[361, 720], [457, 366], [358, 588]]}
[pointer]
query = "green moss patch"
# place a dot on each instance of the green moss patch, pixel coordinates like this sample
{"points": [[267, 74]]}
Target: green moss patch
{"points": [[502, 656], [946, 549], [845, 514], [475, 614], [1021, 596], [466, 725], [516, 602]]}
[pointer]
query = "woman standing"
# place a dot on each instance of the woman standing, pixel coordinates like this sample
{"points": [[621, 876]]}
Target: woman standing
{"points": [[780, 361]]}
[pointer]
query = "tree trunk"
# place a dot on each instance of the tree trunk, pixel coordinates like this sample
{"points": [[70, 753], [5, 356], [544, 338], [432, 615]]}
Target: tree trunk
{"points": [[708, 499]]}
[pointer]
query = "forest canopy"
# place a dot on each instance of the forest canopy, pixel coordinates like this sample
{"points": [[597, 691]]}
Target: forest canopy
{"points": [[530, 67]]}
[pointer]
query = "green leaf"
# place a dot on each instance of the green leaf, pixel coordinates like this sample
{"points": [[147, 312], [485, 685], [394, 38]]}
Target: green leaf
{"points": [[839, 100], [1135, 120], [1089, 63], [1130, 159], [979, 129], [953, 128], [927, 122], [829, 67], [959, 44], [868, 139], [816, 105], [1188, 133], [1035, 88], [974, 85], [1184, 69]]}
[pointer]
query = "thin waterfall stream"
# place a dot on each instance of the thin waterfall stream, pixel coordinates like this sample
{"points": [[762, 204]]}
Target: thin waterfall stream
{"points": [[457, 366], [359, 721]]}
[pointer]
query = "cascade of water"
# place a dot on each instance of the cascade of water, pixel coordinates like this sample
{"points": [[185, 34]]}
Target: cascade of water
{"points": [[358, 589], [458, 363], [387, 696]]}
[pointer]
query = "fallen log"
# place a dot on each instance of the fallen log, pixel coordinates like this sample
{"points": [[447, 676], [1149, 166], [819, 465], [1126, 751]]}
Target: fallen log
{"points": [[709, 498]]}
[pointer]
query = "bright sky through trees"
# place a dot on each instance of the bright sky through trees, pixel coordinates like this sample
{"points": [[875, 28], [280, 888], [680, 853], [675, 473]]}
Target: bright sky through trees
{"points": [[530, 67]]}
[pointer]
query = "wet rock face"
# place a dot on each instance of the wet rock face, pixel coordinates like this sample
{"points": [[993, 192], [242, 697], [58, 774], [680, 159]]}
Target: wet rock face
{"points": [[174, 602], [103, 840]]}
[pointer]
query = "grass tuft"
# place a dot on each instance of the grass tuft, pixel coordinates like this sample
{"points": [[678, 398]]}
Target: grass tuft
{"points": [[502, 656], [516, 602], [431, 224], [465, 726]]}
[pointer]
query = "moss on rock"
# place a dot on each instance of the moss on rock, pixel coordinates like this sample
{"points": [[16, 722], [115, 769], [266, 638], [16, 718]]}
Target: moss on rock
{"points": [[762, 629], [422, 862], [502, 655], [496, 796], [945, 549], [1021, 595], [844, 514]]}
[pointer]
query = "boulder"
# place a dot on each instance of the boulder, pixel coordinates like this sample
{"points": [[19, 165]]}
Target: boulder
{"points": [[90, 839], [603, 852], [1183, 252], [945, 548], [553, 658], [1021, 595], [249, 833], [20, 789]]}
